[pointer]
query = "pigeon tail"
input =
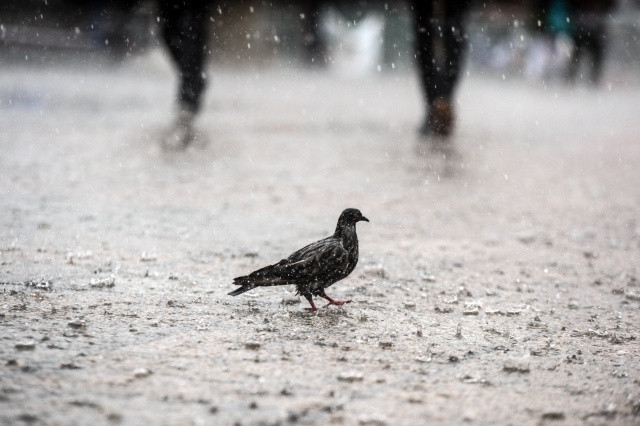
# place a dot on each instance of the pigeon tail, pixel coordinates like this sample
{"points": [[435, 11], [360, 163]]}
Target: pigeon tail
{"points": [[245, 287]]}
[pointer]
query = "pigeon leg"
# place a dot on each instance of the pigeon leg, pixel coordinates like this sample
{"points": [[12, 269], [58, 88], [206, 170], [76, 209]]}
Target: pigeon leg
{"points": [[310, 299], [333, 301]]}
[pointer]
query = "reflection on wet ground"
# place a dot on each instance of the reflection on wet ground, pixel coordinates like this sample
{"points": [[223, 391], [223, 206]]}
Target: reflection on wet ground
{"points": [[503, 257], [440, 156]]}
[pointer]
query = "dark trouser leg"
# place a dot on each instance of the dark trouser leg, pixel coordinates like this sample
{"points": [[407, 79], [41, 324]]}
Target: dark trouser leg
{"points": [[454, 45], [439, 53], [596, 45], [312, 39], [589, 39], [184, 30], [423, 12], [439, 22], [574, 61]]}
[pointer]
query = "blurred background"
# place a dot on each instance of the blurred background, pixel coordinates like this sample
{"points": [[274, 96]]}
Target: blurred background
{"points": [[530, 40]]}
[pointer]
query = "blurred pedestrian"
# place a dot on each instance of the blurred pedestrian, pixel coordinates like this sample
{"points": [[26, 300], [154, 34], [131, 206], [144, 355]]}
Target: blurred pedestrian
{"points": [[589, 33], [184, 31], [440, 44]]}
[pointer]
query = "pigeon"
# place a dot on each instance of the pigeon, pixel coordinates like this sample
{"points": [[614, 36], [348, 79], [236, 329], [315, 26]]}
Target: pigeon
{"points": [[314, 267]]}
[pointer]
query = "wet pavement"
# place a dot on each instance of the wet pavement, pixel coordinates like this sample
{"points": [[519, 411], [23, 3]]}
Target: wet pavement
{"points": [[497, 283]]}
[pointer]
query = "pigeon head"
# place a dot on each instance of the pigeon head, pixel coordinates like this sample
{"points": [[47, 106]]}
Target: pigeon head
{"points": [[351, 217]]}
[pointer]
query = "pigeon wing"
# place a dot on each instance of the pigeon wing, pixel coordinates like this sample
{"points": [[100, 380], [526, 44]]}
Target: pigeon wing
{"points": [[324, 262], [318, 261], [313, 249]]}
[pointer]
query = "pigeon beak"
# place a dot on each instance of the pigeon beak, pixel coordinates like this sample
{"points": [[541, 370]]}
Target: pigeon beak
{"points": [[364, 218]]}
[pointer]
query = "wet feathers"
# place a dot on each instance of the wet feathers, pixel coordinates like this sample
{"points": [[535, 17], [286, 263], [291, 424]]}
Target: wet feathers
{"points": [[315, 266]]}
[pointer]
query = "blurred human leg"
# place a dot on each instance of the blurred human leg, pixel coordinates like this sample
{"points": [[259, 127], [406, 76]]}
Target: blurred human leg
{"points": [[596, 47], [184, 31], [440, 46]]}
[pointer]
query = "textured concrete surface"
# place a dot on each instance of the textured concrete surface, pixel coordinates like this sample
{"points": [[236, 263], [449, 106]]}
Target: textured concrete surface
{"points": [[497, 284]]}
